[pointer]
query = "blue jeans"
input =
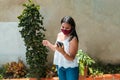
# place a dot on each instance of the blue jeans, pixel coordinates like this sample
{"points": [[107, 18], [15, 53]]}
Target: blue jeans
{"points": [[68, 73]]}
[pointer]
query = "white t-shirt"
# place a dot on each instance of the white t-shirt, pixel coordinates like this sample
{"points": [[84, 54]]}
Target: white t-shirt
{"points": [[60, 60]]}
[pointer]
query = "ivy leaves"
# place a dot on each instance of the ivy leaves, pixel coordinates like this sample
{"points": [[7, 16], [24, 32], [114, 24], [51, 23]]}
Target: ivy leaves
{"points": [[32, 30]]}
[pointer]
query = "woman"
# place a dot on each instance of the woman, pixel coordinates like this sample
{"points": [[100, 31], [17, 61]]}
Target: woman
{"points": [[64, 57]]}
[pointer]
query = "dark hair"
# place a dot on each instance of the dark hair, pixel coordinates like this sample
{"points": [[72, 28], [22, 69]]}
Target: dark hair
{"points": [[70, 20]]}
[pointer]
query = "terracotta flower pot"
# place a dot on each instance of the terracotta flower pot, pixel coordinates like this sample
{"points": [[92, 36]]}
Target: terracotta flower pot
{"points": [[89, 78], [82, 77], [17, 79], [54, 78], [108, 77], [98, 78], [116, 76]]}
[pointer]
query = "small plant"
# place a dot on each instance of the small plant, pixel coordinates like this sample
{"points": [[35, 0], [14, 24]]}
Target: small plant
{"points": [[15, 70], [51, 71], [85, 61], [105, 68], [2, 71], [1, 77]]}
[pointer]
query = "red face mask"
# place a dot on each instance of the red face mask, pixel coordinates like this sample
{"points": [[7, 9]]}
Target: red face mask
{"points": [[66, 32]]}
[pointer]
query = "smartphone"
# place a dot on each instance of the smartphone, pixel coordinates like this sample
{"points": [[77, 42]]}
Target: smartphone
{"points": [[59, 44]]}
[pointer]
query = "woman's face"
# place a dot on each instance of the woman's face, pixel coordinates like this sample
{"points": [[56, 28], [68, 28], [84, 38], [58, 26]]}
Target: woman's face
{"points": [[66, 28]]}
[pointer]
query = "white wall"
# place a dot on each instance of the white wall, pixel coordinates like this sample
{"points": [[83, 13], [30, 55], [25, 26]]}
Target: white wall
{"points": [[98, 24], [11, 44]]}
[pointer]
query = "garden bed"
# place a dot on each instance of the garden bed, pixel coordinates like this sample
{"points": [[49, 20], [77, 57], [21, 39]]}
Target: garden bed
{"points": [[54, 78], [102, 77]]}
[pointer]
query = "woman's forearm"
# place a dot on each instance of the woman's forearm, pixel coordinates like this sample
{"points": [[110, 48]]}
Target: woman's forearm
{"points": [[51, 46], [68, 57]]}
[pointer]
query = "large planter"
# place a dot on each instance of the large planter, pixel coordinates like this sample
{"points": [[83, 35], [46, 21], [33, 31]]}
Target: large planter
{"points": [[102, 77], [116, 76], [54, 78]]}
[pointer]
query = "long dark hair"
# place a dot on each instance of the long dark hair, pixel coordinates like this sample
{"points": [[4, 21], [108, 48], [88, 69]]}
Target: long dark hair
{"points": [[70, 20]]}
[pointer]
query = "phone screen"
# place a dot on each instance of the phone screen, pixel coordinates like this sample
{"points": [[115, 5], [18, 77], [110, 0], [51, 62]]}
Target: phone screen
{"points": [[59, 44]]}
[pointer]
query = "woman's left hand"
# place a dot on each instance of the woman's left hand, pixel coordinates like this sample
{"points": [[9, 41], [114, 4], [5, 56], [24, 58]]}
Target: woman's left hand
{"points": [[60, 49]]}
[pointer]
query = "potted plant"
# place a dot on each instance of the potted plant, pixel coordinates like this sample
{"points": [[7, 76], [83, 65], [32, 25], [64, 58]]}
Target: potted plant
{"points": [[32, 31], [85, 62], [2, 72], [13, 70]]}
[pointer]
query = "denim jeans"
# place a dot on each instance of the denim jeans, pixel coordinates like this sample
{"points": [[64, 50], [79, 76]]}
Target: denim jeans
{"points": [[68, 73]]}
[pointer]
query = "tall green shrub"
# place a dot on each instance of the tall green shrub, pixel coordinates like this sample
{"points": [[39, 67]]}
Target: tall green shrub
{"points": [[32, 31]]}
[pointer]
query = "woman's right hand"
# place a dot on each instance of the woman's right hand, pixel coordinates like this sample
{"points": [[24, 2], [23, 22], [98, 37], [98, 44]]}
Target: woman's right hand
{"points": [[45, 42]]}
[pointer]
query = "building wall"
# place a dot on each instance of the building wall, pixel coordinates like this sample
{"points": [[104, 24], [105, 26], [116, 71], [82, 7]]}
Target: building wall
{"points": [[97, 23], [11, 44]]}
